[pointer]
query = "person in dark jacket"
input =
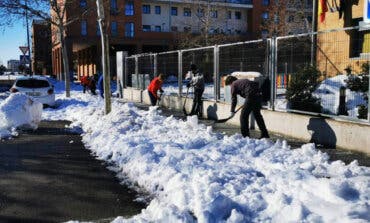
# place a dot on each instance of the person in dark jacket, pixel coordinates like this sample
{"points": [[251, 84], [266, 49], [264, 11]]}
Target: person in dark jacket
{"points": [[197, 82], [253, 98], [154, 86], [101, 85], [92, 85]]}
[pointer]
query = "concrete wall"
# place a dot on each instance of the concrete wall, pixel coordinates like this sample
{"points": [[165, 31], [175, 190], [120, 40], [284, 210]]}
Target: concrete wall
{"points": [[325, 131]]}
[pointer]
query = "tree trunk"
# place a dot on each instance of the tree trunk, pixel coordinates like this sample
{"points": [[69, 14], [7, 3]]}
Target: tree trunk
{"points": [[105, 56], [65, 63]]}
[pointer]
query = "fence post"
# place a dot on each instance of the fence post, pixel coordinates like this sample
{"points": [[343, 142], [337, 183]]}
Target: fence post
{"points": [[125, 83], [216, 71], [155, 63], [179, 76], [273, 71], [137, 71], [121, 70], [368, 99]]}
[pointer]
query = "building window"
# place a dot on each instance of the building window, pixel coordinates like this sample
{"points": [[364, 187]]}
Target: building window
{"points": [[97, 29], [214, 14], [146, 9], [113, 28], [265, 15], [129, 8], [174, 11], [157, 9], [291, 18], [238, 15], [113, 7], [264, 33], [147, 28], [129, 29], [83, 27], [266, 2], [174, 28], [200, 12], [157, 28], [309, 19], [229, 14], [187, 12], [359, 40], [83, 3], [187, 29]]}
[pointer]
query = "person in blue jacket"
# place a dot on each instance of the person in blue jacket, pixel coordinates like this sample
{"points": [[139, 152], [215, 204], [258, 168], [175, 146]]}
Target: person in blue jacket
{"points": [[101, 85]]}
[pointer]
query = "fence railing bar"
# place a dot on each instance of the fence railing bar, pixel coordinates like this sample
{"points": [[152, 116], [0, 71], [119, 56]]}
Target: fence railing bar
{"points": [[167, 52], [198, 48], [319, 32], [242, 43]]}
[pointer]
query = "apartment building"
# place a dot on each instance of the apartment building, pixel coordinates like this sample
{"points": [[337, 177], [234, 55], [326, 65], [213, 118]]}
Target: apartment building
{"points": [[13, 65], [343, 49], [283, 17], [41, 47], [229, 17], [144, 26]]}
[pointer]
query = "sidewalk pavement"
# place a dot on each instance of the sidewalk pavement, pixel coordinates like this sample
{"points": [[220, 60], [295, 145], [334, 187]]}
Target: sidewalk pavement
{"points": [[335, 154]]}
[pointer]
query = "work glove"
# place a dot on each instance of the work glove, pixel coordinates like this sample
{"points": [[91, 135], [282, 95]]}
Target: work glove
{"points": [[232, 114], [188, 85]]}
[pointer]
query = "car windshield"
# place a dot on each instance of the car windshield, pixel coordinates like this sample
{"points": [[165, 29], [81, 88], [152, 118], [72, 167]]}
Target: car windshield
{"points": [[32, 83]]}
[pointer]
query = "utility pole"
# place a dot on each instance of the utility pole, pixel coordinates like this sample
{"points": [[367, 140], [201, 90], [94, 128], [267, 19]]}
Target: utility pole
{"points": [[105, 56]]}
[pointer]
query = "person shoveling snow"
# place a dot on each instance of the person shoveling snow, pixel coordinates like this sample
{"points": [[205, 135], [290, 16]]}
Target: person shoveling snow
{"points": [[18, 111]]}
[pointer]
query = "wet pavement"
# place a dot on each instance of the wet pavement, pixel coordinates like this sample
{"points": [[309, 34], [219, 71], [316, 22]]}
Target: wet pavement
{"points": [[335, 154], [48, 176]]}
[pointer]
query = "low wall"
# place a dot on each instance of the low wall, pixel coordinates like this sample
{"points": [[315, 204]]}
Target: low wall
{"points": [[325, 131]]}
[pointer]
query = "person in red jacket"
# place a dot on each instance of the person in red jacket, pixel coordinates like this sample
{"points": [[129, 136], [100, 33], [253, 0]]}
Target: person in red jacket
{"points": [[154, 86], [85, 82]]}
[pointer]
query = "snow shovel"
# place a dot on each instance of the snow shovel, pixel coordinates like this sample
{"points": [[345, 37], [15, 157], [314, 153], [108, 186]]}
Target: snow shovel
{"points": [[159, 98], [227, 119], [183, 107]]}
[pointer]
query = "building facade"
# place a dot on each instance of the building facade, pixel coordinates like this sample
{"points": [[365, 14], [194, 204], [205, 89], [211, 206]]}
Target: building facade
{"points": [[339, 50], [143, 26], [13, 65], [41, 47]]}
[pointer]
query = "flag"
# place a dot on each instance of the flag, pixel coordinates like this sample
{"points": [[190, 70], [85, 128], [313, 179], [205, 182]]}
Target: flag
{"points": [[323, 8]]}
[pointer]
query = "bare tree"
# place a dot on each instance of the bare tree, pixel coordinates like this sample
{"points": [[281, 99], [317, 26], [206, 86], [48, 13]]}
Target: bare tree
{"points": [[286, 17], [205, 26], [52, 11]]}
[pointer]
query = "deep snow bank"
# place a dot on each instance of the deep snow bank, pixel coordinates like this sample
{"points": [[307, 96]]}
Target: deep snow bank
{"points": [[18, 110], [195, 174]]}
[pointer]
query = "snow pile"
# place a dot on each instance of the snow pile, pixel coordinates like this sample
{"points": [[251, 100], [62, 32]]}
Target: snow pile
{"points": [[18, 111], [328, 92], [196, 175]]}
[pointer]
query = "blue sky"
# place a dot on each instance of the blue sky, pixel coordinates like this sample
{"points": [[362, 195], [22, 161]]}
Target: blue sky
{"points": [[10, 39]]}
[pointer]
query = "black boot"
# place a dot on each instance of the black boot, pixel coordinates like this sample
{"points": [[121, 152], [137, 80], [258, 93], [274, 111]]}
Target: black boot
{"points": [[264, 135]]}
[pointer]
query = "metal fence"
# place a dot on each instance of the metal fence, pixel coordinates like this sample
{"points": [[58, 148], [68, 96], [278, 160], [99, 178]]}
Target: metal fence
{"points": [[322, 73]]}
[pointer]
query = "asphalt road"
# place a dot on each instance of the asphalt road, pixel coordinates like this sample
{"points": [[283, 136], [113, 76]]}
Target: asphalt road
{"points": [[48, 176]]}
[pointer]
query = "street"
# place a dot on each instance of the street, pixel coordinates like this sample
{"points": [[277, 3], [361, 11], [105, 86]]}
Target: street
{"points": [[48, 176]]}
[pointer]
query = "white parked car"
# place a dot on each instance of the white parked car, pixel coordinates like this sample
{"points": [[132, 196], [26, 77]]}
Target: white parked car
{"points": [[37, 87]]}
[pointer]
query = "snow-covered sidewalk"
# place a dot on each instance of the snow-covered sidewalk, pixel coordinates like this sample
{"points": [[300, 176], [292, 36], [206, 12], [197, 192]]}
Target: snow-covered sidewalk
{"points": [[197, 175]]}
